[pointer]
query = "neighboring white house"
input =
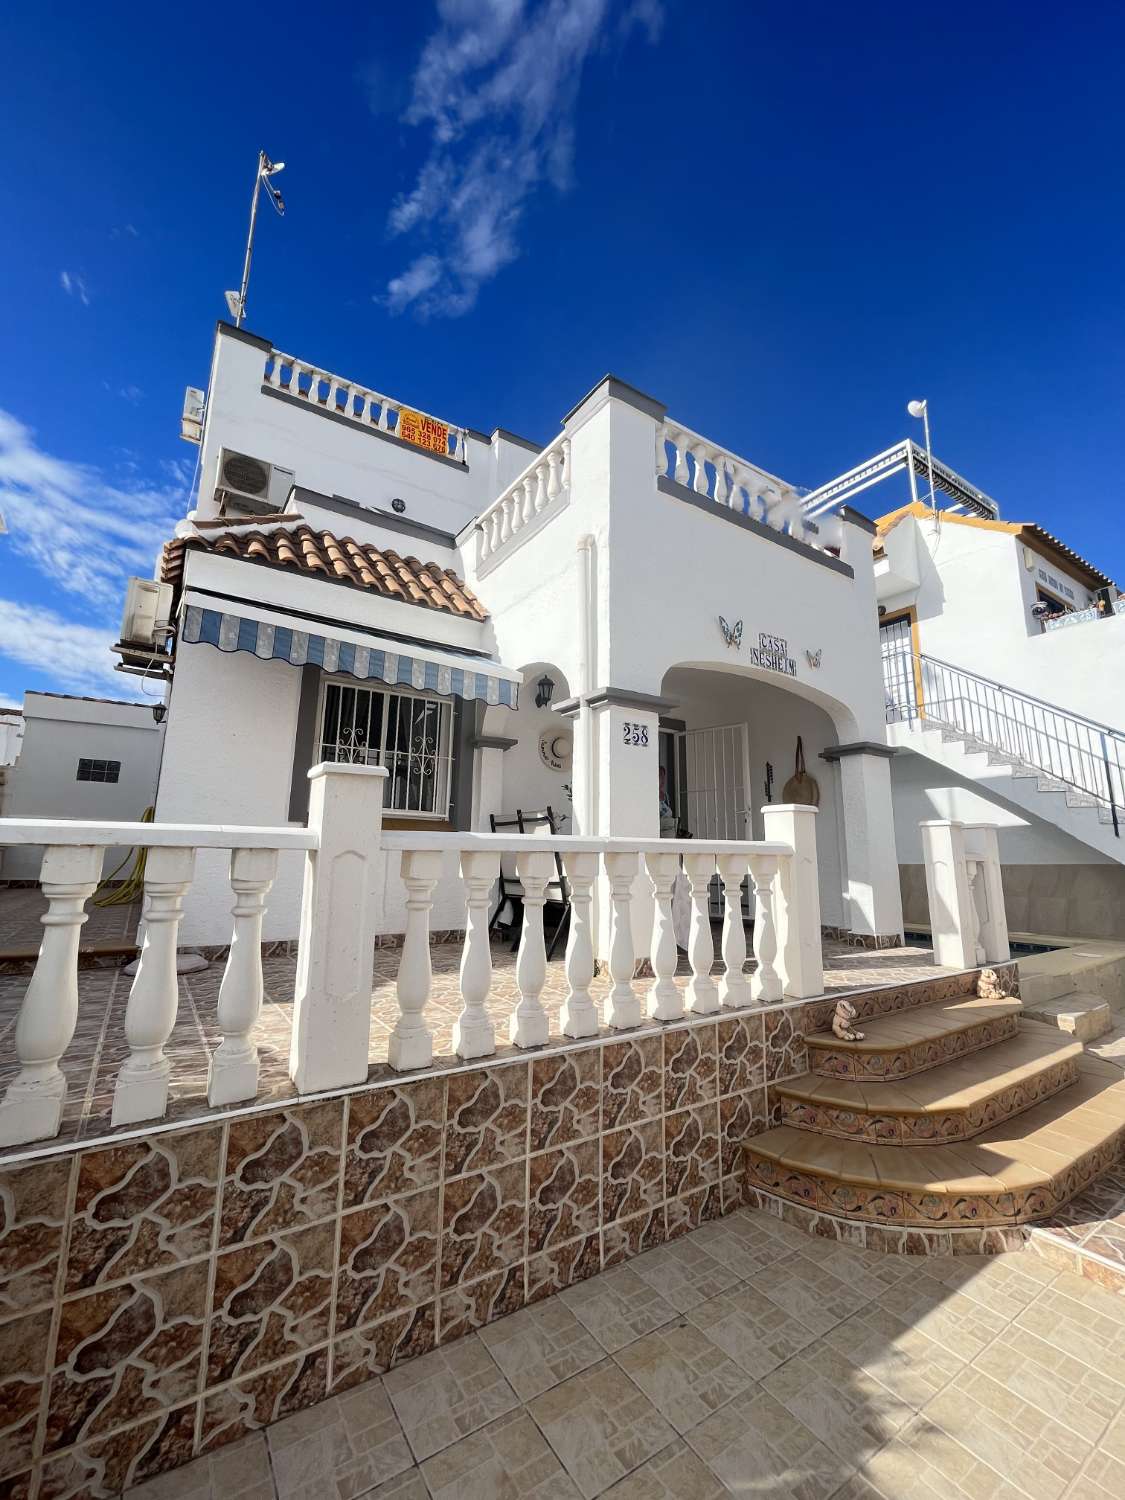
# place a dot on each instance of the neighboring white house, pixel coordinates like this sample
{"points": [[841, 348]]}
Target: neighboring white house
{"points": [[91, 758], [1004, 660], [508, 626]]}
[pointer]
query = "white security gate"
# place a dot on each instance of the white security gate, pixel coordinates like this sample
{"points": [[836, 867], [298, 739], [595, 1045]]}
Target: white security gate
{"points": [[897, 646], [717, 782]]}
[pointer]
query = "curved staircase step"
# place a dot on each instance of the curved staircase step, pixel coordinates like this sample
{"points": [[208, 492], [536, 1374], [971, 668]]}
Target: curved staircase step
{"points": [[908, 1042], [1012, 1174], [955, 1101]]}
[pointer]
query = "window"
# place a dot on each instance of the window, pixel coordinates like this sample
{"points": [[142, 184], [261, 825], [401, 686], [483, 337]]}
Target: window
{"points": [[410, 734], [98, 770]]}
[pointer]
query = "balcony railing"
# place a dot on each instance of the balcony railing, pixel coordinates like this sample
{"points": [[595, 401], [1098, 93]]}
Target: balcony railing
{"points": [[365, 407], [346, 850], [540, 492], [1083, 616]]}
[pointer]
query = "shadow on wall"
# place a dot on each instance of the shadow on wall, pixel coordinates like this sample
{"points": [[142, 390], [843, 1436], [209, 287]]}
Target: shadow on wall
{"points": [[539, 768]]}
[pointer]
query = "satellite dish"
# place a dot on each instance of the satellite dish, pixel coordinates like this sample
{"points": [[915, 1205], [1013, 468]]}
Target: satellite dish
{"points": [[234, 303]]}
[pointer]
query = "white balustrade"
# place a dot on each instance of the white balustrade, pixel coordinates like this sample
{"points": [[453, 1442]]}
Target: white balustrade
{"points": [[412, 1044], [734, 988], [766, 982], [473, 1034], [233, 1074], [579, 1015], [624, 1008], [702, 991], [346, 851], [538, 492], [665, 998], [141, 1091], [33, 1105], [347, 399]]}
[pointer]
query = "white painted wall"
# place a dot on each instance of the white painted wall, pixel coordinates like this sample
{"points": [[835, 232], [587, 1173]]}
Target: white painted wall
{"points": [[528, 782], [923, 790], [974, 600], [59, 731]]}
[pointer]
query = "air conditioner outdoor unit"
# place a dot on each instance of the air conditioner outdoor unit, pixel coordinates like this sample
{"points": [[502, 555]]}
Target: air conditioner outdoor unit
{"points": [[251, 487], [148, 608]]}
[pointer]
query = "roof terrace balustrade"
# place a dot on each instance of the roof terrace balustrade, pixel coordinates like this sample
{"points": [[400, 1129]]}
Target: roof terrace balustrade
{"points": [[535, 497], [738, 485], [356, 403]]}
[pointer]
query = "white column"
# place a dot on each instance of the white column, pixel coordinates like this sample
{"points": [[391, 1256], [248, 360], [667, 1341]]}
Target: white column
{"points": [[982, 839], [33, 1105], [141, 1092], [874, 896], [765, 984], [702, 991], [579, 1013], [974, 873], [947, 889], [624, 1008], [233, 1074], [797, 898], [665, 999], [343, 876], [528, 1026], [473, 1035], [411, 1043], [734, 987]]}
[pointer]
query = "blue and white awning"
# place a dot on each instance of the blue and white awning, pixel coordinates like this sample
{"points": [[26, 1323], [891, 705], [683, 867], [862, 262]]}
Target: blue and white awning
{"points": [[369, 657]]}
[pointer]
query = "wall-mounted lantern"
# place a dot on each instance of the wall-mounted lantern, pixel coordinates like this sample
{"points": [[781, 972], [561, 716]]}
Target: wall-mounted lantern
{"points": [[544, 688], [158, 712]]}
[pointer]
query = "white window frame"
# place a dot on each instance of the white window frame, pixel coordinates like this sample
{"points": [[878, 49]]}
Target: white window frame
{"points": [[445, 751]]}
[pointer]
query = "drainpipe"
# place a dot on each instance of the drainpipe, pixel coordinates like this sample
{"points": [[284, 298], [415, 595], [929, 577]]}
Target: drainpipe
{"points": [[585, 668]]}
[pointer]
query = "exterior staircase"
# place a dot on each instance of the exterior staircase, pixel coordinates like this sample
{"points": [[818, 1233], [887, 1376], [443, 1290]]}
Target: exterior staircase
{"points": [[953, 1116], [1058, 766]]}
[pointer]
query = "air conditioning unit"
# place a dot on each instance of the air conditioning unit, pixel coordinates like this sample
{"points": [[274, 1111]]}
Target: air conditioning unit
{"points": [[251, 487], [148, 609]]}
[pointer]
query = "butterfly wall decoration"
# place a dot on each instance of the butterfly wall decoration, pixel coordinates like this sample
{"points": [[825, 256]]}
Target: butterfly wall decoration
{"points": [[732, 634], [814, 656]]}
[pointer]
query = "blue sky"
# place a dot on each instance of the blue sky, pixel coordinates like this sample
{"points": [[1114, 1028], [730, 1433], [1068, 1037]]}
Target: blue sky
{"points": [[784, 221]]}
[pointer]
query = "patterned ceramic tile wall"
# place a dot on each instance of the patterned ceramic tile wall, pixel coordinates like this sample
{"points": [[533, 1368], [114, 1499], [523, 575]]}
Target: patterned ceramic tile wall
{"points": [[165, 1295]]}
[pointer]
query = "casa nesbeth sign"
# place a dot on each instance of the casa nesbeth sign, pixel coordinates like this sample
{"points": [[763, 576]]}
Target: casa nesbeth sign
{"points": [[771, 652]]}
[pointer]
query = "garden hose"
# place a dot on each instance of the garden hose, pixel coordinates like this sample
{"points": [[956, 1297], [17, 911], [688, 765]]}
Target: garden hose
{"points": [[132, 887]]}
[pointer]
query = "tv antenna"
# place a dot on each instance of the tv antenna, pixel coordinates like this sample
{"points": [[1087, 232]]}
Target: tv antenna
{"points": [[236, 301]]}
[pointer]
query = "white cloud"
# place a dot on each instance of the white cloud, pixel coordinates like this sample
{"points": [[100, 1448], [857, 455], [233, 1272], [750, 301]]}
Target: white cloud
{"points": [[76, 525], [497, 85], [74, 285], [77, 657]]}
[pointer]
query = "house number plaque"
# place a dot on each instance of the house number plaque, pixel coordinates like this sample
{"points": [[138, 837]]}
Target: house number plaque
{"points": [[634, 734]]}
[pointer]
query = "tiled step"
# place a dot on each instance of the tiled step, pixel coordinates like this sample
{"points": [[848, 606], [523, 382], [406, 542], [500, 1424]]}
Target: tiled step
{"points": [[953, 1102], [1082, 1016], [908, 1042], [1013, 1174]]}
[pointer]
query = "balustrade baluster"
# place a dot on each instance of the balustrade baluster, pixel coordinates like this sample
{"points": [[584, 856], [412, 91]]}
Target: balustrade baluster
{"points": [[765, 983], [32, 1108], [506, 528], [699, 483], [473, 1034], [497, 528], [274, 376], [411, 1043], [141, 1091], [579, 1015], [734, 988], [384, 414], [540, 487], [624, 1003], [702, 991], [528, 1026], [665, 999], [682, 472], [554, 475], [333, 392], [662, 451], [527, 490], [233, 1074]]}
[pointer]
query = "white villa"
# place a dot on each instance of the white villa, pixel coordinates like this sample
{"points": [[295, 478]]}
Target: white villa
{"points": [[507, 627]]}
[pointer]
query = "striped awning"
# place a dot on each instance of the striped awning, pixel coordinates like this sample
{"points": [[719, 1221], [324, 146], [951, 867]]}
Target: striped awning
{"points": [[368, 657]]}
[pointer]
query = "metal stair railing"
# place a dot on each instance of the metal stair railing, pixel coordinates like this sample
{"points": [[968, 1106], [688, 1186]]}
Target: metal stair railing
{"points": [[1035, 737]]}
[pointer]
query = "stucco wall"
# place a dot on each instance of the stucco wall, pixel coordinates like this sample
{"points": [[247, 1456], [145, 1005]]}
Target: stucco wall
{"points": [[43, 782]]}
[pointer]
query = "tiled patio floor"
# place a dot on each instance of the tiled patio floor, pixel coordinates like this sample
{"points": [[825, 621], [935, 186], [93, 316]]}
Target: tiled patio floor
{"points": [[746, 1359], [98, 1049]]}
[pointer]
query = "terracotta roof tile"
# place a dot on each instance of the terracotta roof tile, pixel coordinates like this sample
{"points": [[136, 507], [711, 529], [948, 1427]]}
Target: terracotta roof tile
{"points": [[335, 560]]}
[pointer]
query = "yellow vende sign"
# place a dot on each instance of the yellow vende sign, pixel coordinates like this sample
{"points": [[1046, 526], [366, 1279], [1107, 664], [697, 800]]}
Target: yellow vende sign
{"points": [[424, 431]]}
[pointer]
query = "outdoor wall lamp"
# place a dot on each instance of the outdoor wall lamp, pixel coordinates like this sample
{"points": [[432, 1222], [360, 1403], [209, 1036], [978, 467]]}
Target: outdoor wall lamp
{"points": [[158, 712], [544, 688]]}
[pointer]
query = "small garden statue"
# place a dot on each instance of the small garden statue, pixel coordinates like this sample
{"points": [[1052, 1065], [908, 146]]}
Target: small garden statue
{"points": [[989, 986], [842, 1019]]}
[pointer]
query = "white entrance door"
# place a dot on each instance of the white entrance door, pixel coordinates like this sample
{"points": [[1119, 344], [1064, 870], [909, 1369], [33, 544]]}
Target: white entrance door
{"points": [[717, 782]]}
